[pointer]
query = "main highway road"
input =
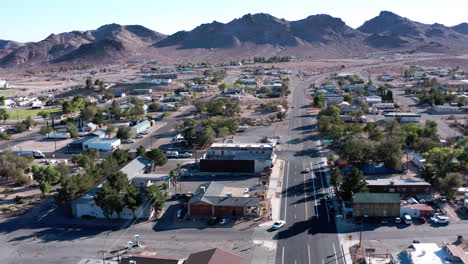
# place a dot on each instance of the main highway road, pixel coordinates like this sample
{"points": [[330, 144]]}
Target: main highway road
{"points": [[309, 235]]}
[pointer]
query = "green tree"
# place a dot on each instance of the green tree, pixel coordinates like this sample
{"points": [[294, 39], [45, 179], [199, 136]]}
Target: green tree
{"points": [[353, 183], [72, 129], [451, 183], [4, 115], [78, 102], [206, 137], [156, 197], [424, 144], [358, 151], [67, 107], [348, 98], [89, 82], [141, 151], [157, 156], [110, 130], [442, 159], [45, 130], [109, 201], [45, 187], [121, 155], [63, 169], [46, 174], [43, 114], [98, 118], [389, 151], [88, 113], [125, 132], [335, 178], [133, 199], [318, 101], [118, 181], [154, 107]]}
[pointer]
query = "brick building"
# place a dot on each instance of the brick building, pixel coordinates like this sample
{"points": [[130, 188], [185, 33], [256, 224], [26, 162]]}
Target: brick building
{"points": [[215, 199], [376, 204]]}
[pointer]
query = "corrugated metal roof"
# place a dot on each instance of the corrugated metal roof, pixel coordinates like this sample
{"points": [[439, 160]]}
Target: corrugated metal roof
{"points": [[214, 195], [364, 197], [396, 182]]}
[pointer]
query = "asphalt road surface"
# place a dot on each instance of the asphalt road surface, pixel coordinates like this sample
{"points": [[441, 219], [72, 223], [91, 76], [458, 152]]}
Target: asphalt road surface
{"points": [[309, 235]]}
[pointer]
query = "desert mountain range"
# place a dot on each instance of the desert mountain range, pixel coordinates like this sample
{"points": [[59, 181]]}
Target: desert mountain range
{"points": [[321, 36]]}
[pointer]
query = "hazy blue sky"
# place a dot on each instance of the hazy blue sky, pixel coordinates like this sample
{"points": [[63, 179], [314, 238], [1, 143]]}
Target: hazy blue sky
{"points": [[33, 20]]}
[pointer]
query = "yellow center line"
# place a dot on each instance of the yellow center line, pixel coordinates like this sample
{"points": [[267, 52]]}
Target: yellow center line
{"points": [[305, 194], [308, 251]]}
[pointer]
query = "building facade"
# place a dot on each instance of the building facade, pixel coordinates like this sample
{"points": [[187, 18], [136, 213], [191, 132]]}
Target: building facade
{"points": [[238, 157], [404, 187], [376, 204]]}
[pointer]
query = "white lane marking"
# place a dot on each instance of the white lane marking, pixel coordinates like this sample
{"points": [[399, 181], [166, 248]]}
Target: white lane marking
{"points": [[326, 206], [295, 205], [294, 216], [282, 256], [342, 252], [313, 184], [286, 199], [334, 251]]}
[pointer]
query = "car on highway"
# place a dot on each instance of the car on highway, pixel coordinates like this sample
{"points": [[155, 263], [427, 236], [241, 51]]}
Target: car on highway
{"points": [[129, 141], [278, 224], [185, 155]]}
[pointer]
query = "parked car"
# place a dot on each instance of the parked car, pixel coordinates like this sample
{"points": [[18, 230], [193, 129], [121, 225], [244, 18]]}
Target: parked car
{"points": [[408, 219], [443, 199], [397, 220], [224, 221], [416, 241], [384, 221], [186, 155], [440, 219], [422, 219], [213, 221], [145, 132], [139, 136], [307, 170], [129, 141], [172, 154], [278, 224]]}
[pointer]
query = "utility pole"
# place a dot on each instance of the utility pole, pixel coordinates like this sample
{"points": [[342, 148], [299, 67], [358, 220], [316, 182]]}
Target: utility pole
{"points": [[103, 258], [53, 128]]}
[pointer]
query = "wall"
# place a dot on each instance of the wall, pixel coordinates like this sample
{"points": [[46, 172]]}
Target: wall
{"points": [[376, 210], [409, 211], [91, 209]]}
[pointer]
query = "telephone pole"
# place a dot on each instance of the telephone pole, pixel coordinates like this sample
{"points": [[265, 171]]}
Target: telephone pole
{"points": [[103, 258]]}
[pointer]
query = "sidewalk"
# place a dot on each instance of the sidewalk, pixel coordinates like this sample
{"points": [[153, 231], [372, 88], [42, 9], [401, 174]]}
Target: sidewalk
{"points": [[264, 241]]}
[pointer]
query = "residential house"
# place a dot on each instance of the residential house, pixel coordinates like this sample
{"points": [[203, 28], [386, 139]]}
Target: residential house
{"points": [[120, 94], [102, 144], [373, 99], [445, 109], [216, 199], [376, 204], [101, 133], [238, 157], [89, 127], [142, 126], [86, 206], [353, 87]]}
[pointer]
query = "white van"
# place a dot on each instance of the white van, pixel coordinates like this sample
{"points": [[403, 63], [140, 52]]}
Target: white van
{"points": [[408, 219]]}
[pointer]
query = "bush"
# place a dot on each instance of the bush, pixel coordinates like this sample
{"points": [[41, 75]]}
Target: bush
{"points": [[18, 199], [5, 136], [23, 180], [7, 191]]}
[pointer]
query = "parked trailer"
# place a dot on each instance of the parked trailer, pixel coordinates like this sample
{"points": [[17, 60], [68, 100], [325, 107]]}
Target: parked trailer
{"points": [[35, 153], [57, 135]]}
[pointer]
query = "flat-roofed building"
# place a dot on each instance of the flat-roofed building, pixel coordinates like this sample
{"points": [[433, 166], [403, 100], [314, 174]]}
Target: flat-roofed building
{"points": [[402, 116], [407, 187], [238, 157], [376, 204]]}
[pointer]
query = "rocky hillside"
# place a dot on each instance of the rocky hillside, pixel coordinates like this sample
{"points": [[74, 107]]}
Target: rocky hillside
{"points": [[389, 30], [262, 29], [461, 28], [110, 41]]}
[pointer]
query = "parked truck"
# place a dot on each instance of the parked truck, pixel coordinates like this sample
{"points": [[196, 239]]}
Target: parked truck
{"points": [[418, 160], [57, 135], [35, 153]]}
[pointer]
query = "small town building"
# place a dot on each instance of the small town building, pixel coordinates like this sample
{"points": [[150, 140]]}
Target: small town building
{"points": [[371, 100], [102, 144], [384, 105], [424, 253], [445, 109], [376, 204], [404, 187], [101, 133], [216, 199], [416, 210], [142, 126], [89, 127], [238, 157]]}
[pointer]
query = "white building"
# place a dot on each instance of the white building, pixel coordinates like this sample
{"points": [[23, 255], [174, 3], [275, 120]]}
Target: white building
{"points": [[373, 100], [238, 157], [102, 144], [4, 84], [446, 108], [142, 126], [424, 253]]}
